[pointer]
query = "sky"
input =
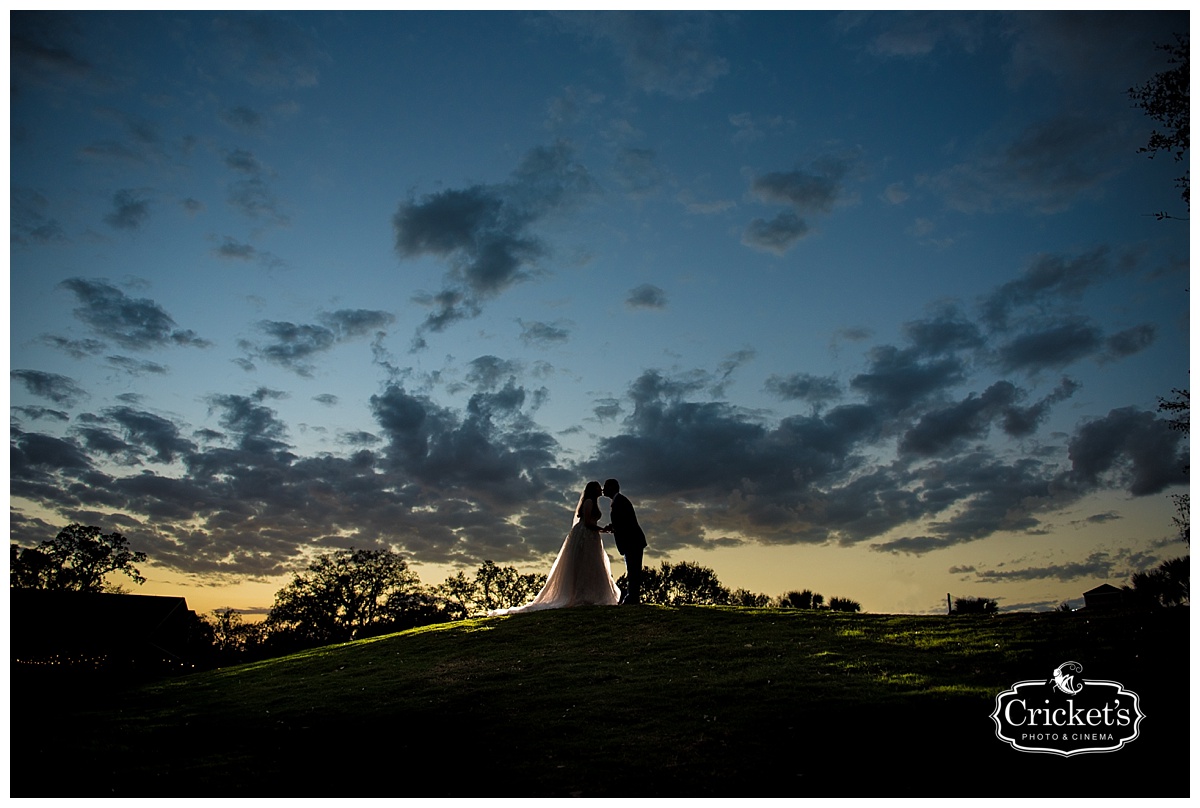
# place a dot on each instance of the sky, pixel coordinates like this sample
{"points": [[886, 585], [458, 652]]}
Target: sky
{"points": [[872, 304]]}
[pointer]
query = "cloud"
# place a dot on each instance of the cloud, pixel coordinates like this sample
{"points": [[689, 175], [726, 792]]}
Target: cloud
{"points": [[1052, 347], [778, 235], [485, 232], [75, 348], [293, 345], [135, 323], [29, 219], [646, 296], [1047, 279], [1097, 566], [805, 191], [667, 53], [136, 367], [539, 333], [1046, 167], [897, 379], [234, 250], [1132, 447], [38, 413], [1128, 342], [804, 387], [130, 210], [46, 52], [53, 386]]}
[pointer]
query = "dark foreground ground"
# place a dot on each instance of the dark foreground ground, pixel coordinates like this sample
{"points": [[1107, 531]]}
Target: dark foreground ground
{"points": [[653, 702]]}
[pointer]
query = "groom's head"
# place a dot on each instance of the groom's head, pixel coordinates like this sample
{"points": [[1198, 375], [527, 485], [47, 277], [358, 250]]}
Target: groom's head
{"points": [[611, 487]]}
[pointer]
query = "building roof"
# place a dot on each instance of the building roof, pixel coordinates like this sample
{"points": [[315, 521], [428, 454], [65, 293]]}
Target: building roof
{"points": [[1103, 589]]}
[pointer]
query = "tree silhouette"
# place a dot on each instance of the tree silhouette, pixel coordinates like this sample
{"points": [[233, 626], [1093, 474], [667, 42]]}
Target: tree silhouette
{"points": [[233, 638], [349, 594], [744, 597], [78, 559], [681, 584], [974, 606], [1180, 409], [1167, 99], [493, 587], [1168, 584], [844, 605], [804, 599]]}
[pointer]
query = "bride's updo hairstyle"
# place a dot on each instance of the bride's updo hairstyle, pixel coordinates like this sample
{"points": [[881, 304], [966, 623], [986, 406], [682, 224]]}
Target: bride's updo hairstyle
{"points": [[590, 491]]}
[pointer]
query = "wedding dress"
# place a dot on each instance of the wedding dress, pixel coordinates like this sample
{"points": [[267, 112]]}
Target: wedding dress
{"points": [[580, 576]]}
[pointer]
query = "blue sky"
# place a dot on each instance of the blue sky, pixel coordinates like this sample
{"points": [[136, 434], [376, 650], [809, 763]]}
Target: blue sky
{"points": [[871, 304]]}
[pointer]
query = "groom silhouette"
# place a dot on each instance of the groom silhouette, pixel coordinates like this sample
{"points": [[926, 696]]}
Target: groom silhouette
{"points": [[629, 538]]}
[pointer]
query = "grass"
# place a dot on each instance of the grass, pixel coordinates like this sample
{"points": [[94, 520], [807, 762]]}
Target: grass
{"points": [[598, 702]]}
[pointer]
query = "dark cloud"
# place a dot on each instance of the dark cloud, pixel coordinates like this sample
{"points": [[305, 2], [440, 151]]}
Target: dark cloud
{"points": [[1133, 448], [1097, 566], [1021, 422], [53, 386], [1046, 168], [897, 379], [663, 52], [39, 413], [75, 348], [231, 249], [47, 50], [154, 436], [1128, 342], [804, 387], [805, 191], [485, 231], [538, 333], [136, 323], [294, 345], [607, 409], [1053, 347], [30, 221], [136, 367], [946, 332], [489, 372], [130, 210], [1047, 280], [328, 399], [944, 429], [350, 323], [777, 235], [646, 296]]}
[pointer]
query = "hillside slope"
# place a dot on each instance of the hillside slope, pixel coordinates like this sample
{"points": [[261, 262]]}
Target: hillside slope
{"points": [[654, 701]]}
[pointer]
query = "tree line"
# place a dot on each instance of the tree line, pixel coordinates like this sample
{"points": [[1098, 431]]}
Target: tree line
{"points": [[350, 594]]}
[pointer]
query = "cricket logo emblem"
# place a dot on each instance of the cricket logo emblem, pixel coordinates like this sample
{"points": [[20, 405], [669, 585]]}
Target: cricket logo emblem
{"points": [[1067, 715]]}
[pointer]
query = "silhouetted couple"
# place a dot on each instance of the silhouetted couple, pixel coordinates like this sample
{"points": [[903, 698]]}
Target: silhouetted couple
{"points": [[581, 575]]}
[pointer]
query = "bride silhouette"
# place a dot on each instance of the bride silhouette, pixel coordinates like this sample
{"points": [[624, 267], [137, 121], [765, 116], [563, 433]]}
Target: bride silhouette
{"points": [[581, 575]]}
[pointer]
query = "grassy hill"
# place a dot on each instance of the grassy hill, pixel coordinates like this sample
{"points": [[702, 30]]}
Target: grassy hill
{"points": [[652, 702]]}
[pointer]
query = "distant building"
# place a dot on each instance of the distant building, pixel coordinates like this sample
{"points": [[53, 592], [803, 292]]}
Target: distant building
{"points": [[1105, 596], [100, 630]]}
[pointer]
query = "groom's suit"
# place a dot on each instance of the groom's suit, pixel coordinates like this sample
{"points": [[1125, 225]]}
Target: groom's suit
{"points": [[631, 540]]}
